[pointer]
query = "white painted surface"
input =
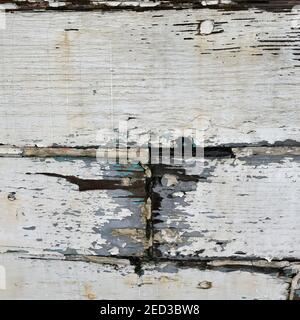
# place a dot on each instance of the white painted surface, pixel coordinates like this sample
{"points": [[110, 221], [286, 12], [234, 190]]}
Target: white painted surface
{"points": [[57, 279], [41, 213], [246, 207], [66, 75], [61, 87]]}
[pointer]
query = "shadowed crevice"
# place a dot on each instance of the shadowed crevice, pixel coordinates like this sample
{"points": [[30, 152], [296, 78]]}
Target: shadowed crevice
{"points": [[89, 5], [135, 186]]}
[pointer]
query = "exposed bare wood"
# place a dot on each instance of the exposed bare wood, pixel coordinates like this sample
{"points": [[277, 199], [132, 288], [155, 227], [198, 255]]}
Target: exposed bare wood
{"points": [[140, 155], [295, 288], [265, 151], [59, 152], [245, 263]]}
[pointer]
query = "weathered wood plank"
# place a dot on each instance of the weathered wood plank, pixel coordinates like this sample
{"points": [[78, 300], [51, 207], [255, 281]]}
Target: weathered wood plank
{"points": [[59, 279], [273, 5], [244, 207], [72, 206], [66, 75]]}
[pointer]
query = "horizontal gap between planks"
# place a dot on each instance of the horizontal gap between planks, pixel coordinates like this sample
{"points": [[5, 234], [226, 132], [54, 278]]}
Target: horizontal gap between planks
{"points": [[288, 267], [89, 5], [215, 262]]}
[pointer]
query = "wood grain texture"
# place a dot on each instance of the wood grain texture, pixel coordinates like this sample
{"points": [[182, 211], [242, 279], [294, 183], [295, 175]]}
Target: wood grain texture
{"points": [[244, 207], [64, 74], [71, 206], [72, 227], [59, 279], [144, 5]]}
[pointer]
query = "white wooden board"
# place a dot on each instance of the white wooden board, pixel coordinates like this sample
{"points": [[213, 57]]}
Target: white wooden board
{"points": [[244, 207], [74, 228], [66, 75], [58, 279], [44, 213]]}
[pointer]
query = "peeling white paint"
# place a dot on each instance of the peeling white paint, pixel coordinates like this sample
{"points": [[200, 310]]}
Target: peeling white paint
{"points": [[162, 73], [51, 214], [54, 279], [242, 209]]}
